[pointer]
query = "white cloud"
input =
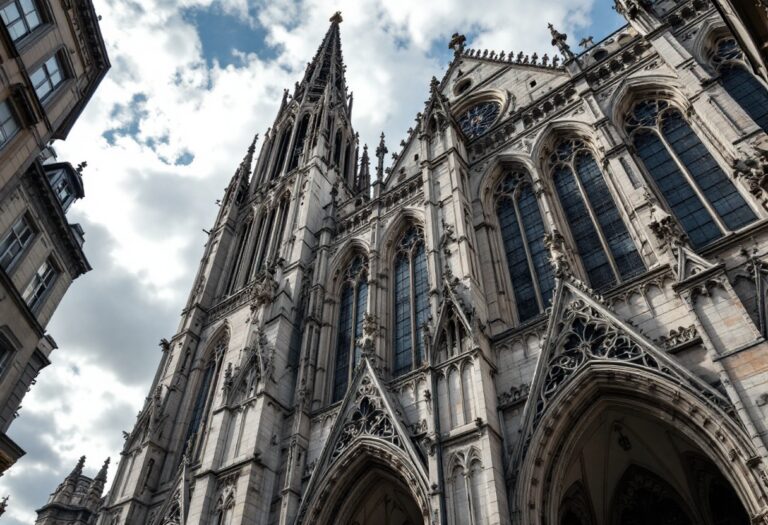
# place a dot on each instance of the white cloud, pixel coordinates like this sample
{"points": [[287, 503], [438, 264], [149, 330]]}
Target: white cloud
{"points": [[144, 215]]}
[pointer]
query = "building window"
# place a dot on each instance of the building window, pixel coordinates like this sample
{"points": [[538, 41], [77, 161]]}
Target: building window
{"points": [[739, 82], [15, 241], [62, 187], [205, 387], [601, 237], [47, 77], [411, 292], [352, 302], [41, 284], [6, 352], [695, 188], [20, 17], [8, 125], [522, 232]]}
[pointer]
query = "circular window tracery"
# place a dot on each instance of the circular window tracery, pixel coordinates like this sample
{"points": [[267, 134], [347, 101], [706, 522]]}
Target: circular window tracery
{"points": [[478, 118]]}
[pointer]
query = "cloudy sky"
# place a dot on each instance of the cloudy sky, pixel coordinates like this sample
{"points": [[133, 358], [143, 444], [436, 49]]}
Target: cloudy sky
{"points": [[191, 82]]}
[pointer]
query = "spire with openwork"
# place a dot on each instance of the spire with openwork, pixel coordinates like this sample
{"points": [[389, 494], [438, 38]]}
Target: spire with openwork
{"points": [[326, 70]]}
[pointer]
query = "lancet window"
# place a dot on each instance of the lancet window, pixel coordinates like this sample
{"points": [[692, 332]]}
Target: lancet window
{"points": [[411, 301], [607, 251], [282, 150], [739, 81], [694, 186], [205, 389], [352, 305], [522, 232], [298, 143]]}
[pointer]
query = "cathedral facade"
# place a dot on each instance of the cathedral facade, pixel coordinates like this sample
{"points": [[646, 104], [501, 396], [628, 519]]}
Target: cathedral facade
{"points": [[549, 308]]}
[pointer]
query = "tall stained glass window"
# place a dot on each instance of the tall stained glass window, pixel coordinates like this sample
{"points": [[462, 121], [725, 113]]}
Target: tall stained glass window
{"points": [[602, 240], [411, 290], [522, 233], [739, 82], [694, 186], [352, 301]]}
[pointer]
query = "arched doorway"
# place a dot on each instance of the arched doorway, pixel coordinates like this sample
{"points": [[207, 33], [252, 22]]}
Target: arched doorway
{"points": [[628, 468], [379, 498]]}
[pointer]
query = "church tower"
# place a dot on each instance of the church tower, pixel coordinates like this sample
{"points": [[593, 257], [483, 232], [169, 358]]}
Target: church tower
{"points": [[549, 307]]}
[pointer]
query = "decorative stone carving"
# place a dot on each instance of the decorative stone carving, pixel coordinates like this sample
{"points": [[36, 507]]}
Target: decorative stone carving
{"points": [[559, 41], [369, 418], [754, 171], [515, 394], [555, 243], [666, 230], [679, 336]]}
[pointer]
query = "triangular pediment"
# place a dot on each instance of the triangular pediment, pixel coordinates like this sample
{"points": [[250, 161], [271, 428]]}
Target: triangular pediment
{"points": [[582, 330], [174, 509], [367, 414], [690, 266]]}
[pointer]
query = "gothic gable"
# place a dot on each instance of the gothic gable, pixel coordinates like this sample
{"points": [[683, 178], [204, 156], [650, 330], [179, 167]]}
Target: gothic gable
{"points": [[582, 331], [367, 416]]}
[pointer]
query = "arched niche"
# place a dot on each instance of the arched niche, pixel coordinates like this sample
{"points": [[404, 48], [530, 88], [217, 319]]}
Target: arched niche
{"points": [[625, 436]]}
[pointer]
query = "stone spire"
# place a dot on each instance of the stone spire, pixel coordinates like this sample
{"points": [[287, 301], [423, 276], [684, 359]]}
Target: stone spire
{"points": [[326, 70], [559, 41], [97, 485], [381, 151], [363, 184], [78, 470]]}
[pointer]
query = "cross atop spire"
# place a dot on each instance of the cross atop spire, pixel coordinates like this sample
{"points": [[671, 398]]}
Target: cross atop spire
{"points": [[336, 18]]}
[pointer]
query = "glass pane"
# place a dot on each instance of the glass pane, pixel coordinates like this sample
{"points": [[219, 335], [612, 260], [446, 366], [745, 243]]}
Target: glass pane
{"points": [[680, 197], [343, 343], [402, 333], [37, 77], [43, 89], [517, 261], [421, 292], [17, 29], [56, 78], [27, 6], [614, 230], [33, 21], [711, 179], [585, 236], [10, 13], [362, 301], [533, 226], [52, 65], [748, 92]]}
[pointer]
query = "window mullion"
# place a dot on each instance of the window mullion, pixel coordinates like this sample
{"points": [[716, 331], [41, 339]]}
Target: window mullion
{"points": [[353, 332], [684, 170], [593, 217], [531, 269]]}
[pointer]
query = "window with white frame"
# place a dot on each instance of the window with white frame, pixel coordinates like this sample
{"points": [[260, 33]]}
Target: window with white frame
{"points": [[21, 17], [40, 285], [15, 241], [47, 77], [8, 124], [62, 187]]}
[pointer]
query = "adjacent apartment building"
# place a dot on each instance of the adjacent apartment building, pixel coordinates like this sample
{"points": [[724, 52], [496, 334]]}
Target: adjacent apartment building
{"points": [[52, 58]]}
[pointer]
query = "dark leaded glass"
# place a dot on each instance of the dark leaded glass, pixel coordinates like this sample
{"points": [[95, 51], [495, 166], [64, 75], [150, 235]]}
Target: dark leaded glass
{"points": [[421, 298], [747, 91], [352, 307], [710, 178], [344, 341], [479, 118], [585, 236], [411, 291], [402, 314], [648, 120], [614, 230], [522, 233]]}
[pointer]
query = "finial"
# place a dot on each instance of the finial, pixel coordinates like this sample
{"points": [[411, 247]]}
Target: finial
{"points": [[559, 41], [3, 505], [80, 167], [434, 84], [78, 468], [102, 475], [336, 18], [381, 151], [457, 43], [587, 42]]}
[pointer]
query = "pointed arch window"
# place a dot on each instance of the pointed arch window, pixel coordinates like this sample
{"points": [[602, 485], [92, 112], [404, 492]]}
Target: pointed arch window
{"points": [[522, 232], [602, 240], [739, 82], [352, 304], [695, 188], [298, 144], [282, 150], [206, 387], [411, 298], [337, 148]]}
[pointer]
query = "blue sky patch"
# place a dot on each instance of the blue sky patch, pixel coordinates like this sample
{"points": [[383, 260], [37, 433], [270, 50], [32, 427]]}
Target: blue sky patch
{"points": [[222, 33], [135, 108]]}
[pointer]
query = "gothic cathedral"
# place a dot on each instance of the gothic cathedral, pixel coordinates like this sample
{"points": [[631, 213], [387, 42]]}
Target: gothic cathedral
{"points": [[550, 308]]}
